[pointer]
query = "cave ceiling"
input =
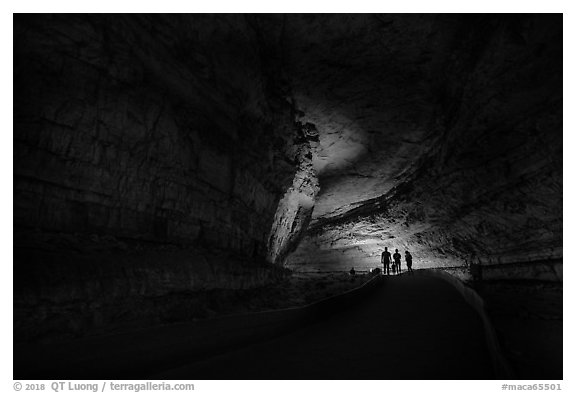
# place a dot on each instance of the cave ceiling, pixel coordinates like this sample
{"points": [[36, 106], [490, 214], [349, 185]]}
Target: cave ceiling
{"points": [[368, 83]]}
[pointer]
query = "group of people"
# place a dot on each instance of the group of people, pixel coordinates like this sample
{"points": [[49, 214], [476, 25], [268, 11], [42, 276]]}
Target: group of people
{"points": [[393, 262]]}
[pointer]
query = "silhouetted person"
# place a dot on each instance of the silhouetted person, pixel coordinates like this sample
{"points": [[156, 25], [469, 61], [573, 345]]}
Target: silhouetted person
{"points": [[408, 258], [352, 271], [393, 267], [385, 260], [397, 258]]}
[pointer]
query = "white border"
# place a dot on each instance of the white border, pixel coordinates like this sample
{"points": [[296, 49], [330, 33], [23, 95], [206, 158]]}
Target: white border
{"points": [[246, 6]]}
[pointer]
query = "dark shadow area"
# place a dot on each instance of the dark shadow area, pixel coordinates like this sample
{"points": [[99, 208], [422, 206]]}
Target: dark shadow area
{"points": [[528, 319], [368, 333]]}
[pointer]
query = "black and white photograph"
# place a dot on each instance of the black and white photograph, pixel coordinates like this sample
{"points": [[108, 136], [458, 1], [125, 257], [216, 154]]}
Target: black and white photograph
{"points": [[287, 196]]}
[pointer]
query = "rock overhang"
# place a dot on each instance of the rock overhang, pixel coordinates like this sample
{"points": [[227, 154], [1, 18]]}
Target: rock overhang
{"points": [[436, 116]]}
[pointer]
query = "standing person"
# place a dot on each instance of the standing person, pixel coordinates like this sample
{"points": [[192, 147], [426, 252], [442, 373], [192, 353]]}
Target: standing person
{"points": [[408, 258], [397, 258], [385, 260]]}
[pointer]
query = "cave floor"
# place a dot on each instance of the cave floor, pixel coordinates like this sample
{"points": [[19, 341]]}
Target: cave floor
{"points": [[405, 327], [411, 327]]}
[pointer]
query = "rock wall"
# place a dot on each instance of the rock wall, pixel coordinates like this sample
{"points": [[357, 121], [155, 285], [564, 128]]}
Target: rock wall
{"points": [[138, 138], [117, 134]]}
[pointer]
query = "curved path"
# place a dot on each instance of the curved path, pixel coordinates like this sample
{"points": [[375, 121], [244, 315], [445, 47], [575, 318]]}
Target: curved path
{"points": [[410, 327]]}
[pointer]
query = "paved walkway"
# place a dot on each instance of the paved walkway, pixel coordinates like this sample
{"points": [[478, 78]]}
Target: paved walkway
{"points": [[401, 327], [410, 327]]}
